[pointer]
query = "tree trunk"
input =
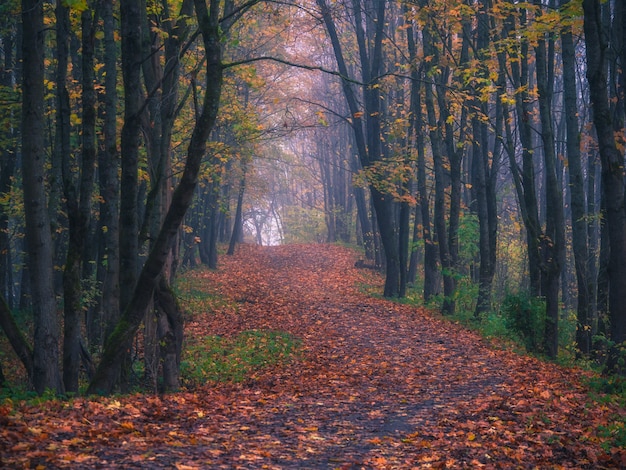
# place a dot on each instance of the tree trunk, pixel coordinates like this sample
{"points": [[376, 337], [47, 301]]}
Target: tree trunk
{"points": [[527, 195], [130, 17], [7, 163], [484, 177], [17, 340], [46, 373], [108, 166], [170, 332], [238, 223], [436, 141], [553, 241], [585, 283]]}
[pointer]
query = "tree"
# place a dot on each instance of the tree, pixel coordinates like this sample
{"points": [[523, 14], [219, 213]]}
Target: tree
{"points": [[366, 120], [580, 249], [552, 240], [100, 322], [46, 372]]}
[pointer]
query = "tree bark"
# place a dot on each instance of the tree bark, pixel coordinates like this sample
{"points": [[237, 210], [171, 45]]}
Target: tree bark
{"points": [[46, 373], [436, 141], [130, 17], [170, 331], [585, 284], [7, 161], [553, 241], [238, 222], [108, 314]]}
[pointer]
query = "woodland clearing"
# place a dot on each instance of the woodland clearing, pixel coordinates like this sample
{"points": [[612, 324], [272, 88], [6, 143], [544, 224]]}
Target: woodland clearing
{"points": [[375, 384]]}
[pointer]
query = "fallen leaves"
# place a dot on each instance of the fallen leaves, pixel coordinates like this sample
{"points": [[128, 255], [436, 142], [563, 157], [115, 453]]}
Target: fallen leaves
{"points": [[378, 385]]}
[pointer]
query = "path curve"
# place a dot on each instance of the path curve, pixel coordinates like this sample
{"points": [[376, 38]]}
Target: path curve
{"points": [[379, 385]]}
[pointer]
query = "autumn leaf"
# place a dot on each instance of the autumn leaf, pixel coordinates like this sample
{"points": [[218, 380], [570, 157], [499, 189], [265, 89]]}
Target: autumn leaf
{"points": [[375, 383]]}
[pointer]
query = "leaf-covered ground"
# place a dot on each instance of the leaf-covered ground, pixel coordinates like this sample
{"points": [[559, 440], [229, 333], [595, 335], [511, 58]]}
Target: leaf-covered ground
{"points": [[378, 385]]}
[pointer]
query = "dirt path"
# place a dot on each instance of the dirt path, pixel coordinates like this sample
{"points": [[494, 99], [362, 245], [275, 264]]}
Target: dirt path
{"points": [[379, 385]]}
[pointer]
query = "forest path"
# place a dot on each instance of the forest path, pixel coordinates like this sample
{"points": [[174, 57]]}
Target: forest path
{"points": [[378, 385]]}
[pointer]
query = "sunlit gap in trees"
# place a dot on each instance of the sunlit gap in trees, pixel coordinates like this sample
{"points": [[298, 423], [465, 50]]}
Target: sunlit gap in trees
{"points": [[264, 228]]}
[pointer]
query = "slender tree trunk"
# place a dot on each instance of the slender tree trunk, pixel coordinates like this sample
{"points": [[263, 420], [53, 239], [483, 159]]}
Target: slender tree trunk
{"points": [[585, 283], [238, 227], [483, 178], [436, 141], [553, 241]]}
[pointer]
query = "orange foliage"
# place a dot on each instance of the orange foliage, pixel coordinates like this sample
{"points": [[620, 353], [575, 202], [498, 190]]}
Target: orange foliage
{"points": [[379, 385]]}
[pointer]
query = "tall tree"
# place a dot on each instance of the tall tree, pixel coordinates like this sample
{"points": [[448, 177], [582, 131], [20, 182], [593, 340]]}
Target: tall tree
{"points": [[101, 322], [585, 283], [436, 124], [485, 165], [46, 371], [130, 18], [366, 119], [553, 238]]}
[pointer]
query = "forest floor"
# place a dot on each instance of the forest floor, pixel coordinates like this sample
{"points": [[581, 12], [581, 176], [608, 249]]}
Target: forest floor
{"points": [[377, 385]]}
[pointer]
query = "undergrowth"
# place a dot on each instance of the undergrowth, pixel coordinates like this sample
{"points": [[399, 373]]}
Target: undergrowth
{"points": [[220, 359], [196, 297], [518, 323]]}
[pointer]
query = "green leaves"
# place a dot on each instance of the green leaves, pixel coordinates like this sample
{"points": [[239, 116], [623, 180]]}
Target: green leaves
{"points": [[77, 5]]}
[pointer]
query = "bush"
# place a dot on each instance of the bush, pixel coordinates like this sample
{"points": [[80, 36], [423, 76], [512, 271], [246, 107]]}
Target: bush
{"points": [[525, 316]]}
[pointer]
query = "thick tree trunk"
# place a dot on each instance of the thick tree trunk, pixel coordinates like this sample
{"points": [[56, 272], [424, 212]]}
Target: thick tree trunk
{"points": [[170, 332], [130, 17], [46, 373], [102, 324], [7, 165]]}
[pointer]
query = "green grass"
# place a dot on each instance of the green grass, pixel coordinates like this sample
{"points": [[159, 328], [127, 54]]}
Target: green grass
{"points": [[610, 389], [219, 359], [196, 297]]}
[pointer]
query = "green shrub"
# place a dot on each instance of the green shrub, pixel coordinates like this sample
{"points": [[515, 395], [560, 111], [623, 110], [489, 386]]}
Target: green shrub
{"points": [[525, 316]]}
